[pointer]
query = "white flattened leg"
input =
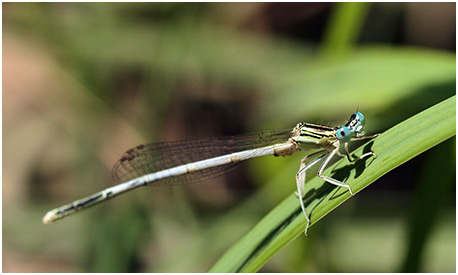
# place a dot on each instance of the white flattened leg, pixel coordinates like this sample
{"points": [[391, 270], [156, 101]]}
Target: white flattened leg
{"points": [[300, 181], [303, 168], [329, 179]]}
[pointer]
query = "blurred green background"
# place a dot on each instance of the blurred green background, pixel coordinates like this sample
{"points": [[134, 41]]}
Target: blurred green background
{"points": [[83, 82]]}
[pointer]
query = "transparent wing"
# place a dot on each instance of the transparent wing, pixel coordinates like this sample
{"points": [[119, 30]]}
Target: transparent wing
{"points": [[149, 158]]}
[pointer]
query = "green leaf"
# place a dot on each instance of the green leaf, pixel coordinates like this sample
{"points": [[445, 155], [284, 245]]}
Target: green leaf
{"points": [[344, 27], [286, 222], [373, 77]]}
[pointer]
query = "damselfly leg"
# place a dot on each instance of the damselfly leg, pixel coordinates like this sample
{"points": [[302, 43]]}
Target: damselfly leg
{"points": [[301, 174]]}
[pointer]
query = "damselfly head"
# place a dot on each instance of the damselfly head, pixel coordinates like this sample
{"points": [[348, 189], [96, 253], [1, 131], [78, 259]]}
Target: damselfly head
{"points": [[356, 124], [344, 134]]}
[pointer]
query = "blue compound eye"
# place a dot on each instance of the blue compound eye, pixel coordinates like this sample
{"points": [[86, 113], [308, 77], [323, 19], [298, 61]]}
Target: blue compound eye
{"points": [[344, 134], [359, 117]]}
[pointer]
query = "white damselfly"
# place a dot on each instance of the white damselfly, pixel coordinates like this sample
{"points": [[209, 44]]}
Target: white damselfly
{"points": [[189, 161]]}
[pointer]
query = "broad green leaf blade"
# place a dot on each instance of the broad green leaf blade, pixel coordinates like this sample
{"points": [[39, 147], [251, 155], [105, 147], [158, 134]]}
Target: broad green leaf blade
{"points": [[286, 222]]}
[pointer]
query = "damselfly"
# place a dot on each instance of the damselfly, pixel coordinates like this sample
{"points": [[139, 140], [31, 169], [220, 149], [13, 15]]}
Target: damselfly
{"points": [[189, 161]]}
